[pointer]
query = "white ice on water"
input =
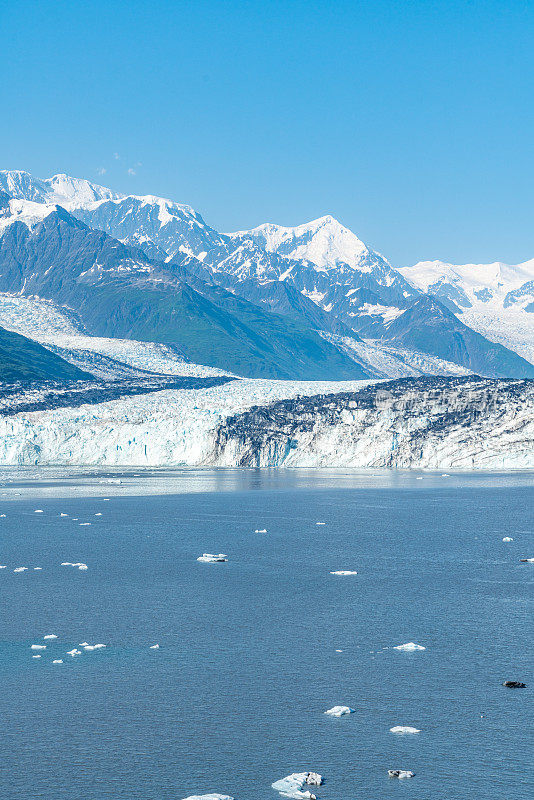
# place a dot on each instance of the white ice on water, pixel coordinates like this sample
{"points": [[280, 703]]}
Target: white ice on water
{"points": [[404, 729], [339, 711], [343, 572], [508, 539], [409, 647], [210, 558], [50, 636], [292, 785], [38, 647]]}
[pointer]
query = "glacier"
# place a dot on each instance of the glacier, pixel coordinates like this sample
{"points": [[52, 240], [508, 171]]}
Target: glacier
{"points": [[460, 423]]}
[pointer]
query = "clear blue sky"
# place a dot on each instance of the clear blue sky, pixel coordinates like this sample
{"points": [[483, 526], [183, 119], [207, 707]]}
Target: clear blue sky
{"points": [[412, 122]]}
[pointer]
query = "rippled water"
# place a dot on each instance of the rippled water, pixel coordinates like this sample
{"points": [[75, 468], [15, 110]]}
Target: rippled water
{"points": [[234, 698]]}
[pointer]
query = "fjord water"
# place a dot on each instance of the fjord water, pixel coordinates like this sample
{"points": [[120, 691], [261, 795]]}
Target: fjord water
{"points": [[234, 698]]}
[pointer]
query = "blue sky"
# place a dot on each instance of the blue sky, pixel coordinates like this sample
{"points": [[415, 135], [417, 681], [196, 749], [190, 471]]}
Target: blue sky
{"points": [[411, 122]]}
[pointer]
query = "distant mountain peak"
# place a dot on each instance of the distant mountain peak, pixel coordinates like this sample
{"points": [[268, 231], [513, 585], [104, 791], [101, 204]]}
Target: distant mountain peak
{"points": [[60, 189], [324, 242]]}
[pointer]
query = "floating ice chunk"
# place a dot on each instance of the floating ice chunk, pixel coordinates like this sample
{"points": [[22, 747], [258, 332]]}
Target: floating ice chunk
{"points": [[38, 647], [98, 514], [37, 567], [343, 572], [263, 530], [400, 773], [418, 479], [63, 514], [2, 515], [210, 558], [320, 523], [38, 511], [80, 565], [292, 785], [409, 647], [57, 661], [50, 636], [20, 569], [154, 647], [67, 564], [339, 651], [3, 566], [84, 523], [508, 539], [36, 656], [75, 519], [74, 652], [445, 475], [213, 796], [93, 646], [527, 560], [339, 711], [404, 729], [83, 644]]}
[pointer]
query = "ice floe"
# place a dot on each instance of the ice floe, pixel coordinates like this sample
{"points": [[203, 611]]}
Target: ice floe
{"points": [[74, 652], [343, 572], [84, 523], [50, 636], [212, 796], [57, 661], [78, 564], [38, 647], [320, 523], [38, 511], [409, 647], [90, 647], [154, 647], [400, 773], [339, 711], [263, 530], [20, 569], [36, 656], [63, 514], [508, 539], [404, 729], [98, 514], [292, 785], [210, 558]]}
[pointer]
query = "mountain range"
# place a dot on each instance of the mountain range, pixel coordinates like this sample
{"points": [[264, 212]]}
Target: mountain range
{"points": [[309, 302]]}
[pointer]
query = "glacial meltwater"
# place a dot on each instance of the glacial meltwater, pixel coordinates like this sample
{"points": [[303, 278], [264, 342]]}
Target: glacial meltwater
{"points": [[253, 650]]}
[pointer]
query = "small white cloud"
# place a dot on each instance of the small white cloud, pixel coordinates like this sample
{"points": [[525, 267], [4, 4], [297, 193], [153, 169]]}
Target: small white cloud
{"points": [[131, 172], [101, 171], [116, 156]]}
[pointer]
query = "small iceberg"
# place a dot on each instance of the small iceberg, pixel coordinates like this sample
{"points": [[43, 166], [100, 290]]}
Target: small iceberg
{"points": [[508, 539], [37, 567], [343, 572], [36, 656], [98, 514], [210, 558], [292, 785], [63, 514], [320, 523], [409, 647], [263, 530], [154, 647], [404, 729], [57, 661], [50, 636], [3, 566], [213, 796], [89, 647], [400, 773], [339, 711], [84, 523], [38, 511], [20, 569], [38, 647], [78, 564]]}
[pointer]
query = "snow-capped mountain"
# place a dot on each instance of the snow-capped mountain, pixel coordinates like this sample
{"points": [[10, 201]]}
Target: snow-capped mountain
{"points": [[496, 300], [60, 189], [119, 292], [319, 275]]}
